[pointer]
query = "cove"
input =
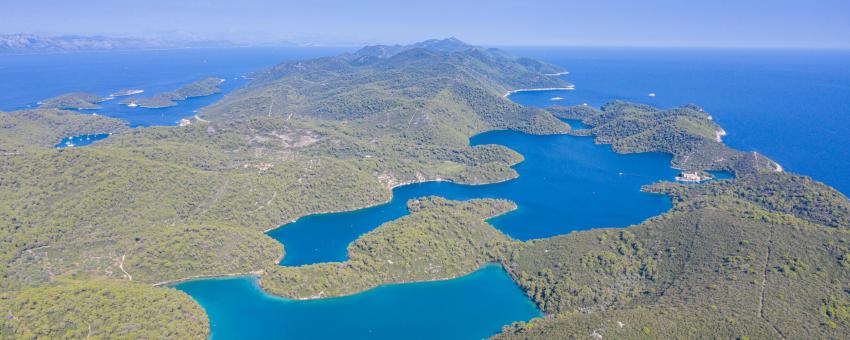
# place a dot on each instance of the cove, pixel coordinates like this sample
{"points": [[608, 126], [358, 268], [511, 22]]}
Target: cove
{"points": [[565, 183], [790, 104], [474, 306], [81, 140]]}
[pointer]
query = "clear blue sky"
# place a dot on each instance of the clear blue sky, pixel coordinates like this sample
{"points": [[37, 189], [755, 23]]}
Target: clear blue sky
{"points": [[753, 23]]}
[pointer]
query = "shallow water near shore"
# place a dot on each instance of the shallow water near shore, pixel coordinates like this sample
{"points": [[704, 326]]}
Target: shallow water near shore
{"points": [[566, 183], [470, 307]]}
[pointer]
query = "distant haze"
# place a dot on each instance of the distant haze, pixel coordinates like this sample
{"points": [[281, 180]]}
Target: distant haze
{"points": [[680, 23]]}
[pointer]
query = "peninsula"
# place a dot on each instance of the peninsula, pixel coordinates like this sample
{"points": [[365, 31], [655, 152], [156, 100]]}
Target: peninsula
{"points": [[89, 231], [199, 88], [73, 101]]}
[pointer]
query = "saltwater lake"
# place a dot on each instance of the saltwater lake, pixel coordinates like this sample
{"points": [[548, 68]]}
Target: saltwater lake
{"points": [[565, 183], [470, 307], [793, 106]]}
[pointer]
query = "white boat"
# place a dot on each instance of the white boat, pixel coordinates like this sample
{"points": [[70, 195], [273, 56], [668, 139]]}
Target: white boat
{"points": [[126, 93]]}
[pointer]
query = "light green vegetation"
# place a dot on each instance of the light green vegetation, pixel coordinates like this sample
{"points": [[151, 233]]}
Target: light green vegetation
{"points": [[101, 310], [76, 100], [720, 264], [440, 239], [46, 127], [686, 132], [200, 88], [164, 203], [762, 256]]}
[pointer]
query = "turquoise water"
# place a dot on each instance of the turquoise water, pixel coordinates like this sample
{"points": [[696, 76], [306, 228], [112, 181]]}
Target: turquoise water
{"points": [[793, 106], [470, 307], [565, 183], [81, 140]]}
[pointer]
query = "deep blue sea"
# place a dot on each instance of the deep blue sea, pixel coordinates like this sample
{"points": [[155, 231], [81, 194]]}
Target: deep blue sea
{"points": [[27, 79], [793, 106]]}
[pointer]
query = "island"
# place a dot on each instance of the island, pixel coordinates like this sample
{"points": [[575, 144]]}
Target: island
{"points": [[73, 101], [98, 232], [200, 88]]}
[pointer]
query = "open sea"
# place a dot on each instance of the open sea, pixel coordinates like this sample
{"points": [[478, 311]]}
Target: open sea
{"points": [[791, 105]]}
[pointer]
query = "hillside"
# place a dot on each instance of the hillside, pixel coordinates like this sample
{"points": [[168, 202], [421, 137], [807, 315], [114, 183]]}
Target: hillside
{"points": [[718, 265], [75, 101], [165, 203], [46, 127], [762, 255], [199, 88], [101, 309], [686, 132], [440, 239]]}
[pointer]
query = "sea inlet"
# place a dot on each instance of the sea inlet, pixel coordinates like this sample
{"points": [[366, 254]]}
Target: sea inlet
{"points": [[565, 183]]}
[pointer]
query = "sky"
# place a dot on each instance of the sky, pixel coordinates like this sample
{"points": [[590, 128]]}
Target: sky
{"points": [[673, 23]]}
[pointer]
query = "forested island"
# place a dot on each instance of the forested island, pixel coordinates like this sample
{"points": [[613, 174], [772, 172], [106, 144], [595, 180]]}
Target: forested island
{"points": [[199, 88], [761, 255], [74, 101]]}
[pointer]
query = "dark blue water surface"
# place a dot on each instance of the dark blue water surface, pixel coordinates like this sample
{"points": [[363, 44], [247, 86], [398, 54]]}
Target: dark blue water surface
{"points": [[81, 140], [470, 307], [565, 183], [27, 79], [791, 105]]}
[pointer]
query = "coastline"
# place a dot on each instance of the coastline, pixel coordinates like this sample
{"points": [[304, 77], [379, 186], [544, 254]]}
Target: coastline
{"points": [[388, 200], [719, 134], [258, 272], [390, 188], [567, 88], [438, 279]]}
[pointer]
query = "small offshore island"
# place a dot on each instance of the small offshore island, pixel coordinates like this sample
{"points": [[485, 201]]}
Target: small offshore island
{"points": [[200, 88], [97, 238], [73, 101]]}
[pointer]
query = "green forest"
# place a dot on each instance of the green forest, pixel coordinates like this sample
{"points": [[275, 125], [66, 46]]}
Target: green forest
{"points": [[90, 237]]}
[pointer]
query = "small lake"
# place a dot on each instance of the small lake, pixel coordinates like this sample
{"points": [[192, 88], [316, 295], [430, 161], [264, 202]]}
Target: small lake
{"points": [[81, 140], [474, 306], [565, 183]]}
